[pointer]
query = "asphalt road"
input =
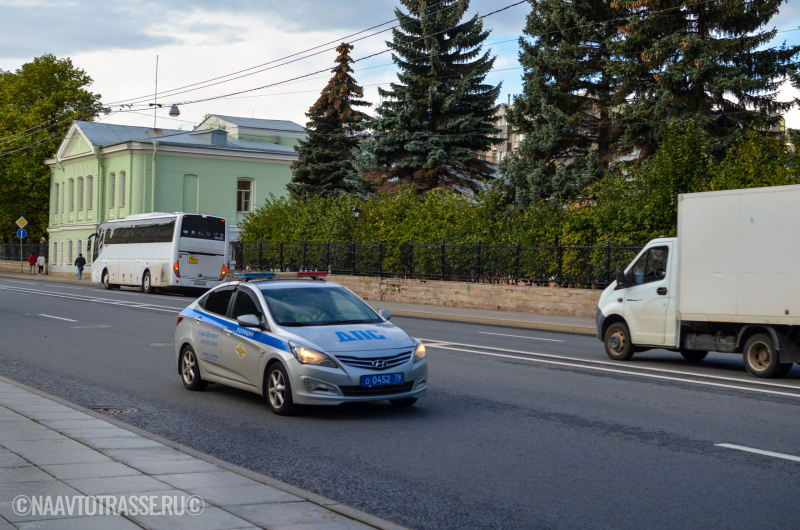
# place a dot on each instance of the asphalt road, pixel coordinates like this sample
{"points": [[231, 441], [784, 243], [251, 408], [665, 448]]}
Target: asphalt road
{"points": [[520, 429]]}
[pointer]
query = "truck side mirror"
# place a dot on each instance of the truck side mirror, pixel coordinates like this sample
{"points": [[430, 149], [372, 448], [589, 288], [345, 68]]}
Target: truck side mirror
{"points": [[622, 280]]}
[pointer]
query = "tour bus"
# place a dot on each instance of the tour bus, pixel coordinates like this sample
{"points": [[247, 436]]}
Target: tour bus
{"points": [[161, 251]]}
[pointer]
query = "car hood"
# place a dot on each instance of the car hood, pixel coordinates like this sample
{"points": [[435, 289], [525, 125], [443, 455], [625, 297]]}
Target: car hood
{"points": [[350, 338]]}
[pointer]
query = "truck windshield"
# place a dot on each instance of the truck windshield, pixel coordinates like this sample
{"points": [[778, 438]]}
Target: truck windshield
{"points": [[317, 306]]}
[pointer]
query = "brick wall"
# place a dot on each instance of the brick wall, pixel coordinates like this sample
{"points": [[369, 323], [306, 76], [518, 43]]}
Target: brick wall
{"points": [[581, 303], [13, 266]]}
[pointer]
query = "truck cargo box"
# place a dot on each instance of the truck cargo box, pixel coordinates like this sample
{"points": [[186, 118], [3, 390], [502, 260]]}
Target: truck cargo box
{"points": [[739, 256]]}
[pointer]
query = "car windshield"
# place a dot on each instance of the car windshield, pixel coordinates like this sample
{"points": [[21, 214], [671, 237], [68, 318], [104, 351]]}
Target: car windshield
{"points": [[317, 306]]}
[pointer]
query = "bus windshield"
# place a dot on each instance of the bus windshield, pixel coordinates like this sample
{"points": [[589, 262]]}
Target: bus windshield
{"points": [[203, 227]]}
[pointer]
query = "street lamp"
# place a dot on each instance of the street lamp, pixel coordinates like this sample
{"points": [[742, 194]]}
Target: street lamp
{"points": [[356, 212]]}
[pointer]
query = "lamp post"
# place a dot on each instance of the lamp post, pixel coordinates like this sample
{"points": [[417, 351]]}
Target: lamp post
{"points": [[356, 212]]}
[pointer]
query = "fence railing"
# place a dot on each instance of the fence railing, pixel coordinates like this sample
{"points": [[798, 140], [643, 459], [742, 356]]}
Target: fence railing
{"points": [[590, 266], [11, 251]]}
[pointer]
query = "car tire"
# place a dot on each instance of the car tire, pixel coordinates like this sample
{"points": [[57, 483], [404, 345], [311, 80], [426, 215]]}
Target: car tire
{"points": [[405, 402], [106, 283], [147, 284], [694, 356], [618, 342], [278, 390], [761, 359], [190, 370]]}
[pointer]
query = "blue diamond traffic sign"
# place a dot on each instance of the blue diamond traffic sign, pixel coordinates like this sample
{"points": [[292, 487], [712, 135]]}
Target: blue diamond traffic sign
{"points": [[21, 233]]}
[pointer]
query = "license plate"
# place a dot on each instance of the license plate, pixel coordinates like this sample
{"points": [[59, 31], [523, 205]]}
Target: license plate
{"points": [[383, 379], [199, 283], [192, 258]]}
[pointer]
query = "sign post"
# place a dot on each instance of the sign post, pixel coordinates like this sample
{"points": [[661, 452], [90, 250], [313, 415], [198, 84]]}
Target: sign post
{"points": [[21, 234]]}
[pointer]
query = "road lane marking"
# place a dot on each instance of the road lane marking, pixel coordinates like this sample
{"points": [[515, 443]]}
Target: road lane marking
{"points": [[760, 452], [432, 342], [519, 336], [59, 318], [81, 298], [624, 372]]}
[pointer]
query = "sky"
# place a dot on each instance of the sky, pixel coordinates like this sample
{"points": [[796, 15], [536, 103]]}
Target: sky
{"points": [[116, 43]]}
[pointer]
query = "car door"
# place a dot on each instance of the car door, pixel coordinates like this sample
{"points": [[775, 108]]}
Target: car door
{"points": [[647, 300], [210, 322], [243, 351]]}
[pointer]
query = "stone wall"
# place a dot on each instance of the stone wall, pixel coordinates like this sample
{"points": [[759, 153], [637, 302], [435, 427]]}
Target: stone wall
{"points": [[581, 303], [14, 266]]}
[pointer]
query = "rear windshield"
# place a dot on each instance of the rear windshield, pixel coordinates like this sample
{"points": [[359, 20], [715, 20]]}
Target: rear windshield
{"points": [[203, 227], [315, 306]]}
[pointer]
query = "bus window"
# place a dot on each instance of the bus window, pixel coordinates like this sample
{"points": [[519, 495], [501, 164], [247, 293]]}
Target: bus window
{"points": [[200, 227]]}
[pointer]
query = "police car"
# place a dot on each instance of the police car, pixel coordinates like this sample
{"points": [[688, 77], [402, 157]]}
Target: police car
{"points": [[298, 341]]}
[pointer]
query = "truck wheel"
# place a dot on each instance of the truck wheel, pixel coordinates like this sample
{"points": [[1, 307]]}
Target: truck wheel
{"points": [[618, 342], [694, 355], [761, 358]]}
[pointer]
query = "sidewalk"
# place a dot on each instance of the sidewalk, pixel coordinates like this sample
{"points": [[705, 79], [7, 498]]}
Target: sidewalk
{"points": [[585, 326], [50, 447]]}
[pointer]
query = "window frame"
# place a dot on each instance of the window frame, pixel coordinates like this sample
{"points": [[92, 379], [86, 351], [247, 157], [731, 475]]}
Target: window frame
{"points": [[646, 258], [122, 179], [90, 194], [80, 194], [250, 193], [232, 290], [112, 190]]}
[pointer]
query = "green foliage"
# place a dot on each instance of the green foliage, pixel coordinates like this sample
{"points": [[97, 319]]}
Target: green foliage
{"points": [[564, 106], [48, 91], [326, 165], [440, 114]]}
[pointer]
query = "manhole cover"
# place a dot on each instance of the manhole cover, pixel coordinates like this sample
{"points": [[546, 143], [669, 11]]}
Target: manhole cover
{"points": [[114, 411]]}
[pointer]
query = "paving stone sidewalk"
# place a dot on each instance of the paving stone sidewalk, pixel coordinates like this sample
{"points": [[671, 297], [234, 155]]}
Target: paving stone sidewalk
{"points": [[51, 448]]}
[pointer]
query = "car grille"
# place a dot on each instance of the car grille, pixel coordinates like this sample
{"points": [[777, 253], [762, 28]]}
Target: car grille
{"points": [[367, 362], [387, 390]]}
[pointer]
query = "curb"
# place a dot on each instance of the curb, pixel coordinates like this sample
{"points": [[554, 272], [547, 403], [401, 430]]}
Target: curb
{"points": [[566, 328], [46, 279], [341, 509]]}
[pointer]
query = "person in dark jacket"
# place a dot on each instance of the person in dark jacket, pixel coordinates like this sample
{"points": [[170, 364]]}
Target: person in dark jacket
{"points": [[32, 263], [80, 262]]}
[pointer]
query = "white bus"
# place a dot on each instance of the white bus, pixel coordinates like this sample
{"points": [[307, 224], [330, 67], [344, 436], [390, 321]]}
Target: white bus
{"points": [[161, 251]]}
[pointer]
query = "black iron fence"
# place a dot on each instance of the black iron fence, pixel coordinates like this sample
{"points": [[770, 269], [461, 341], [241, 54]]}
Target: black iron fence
{"points": [[11, 251], [590, 266]]}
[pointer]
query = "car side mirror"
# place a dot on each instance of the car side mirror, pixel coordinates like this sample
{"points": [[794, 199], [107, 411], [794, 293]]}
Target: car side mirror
{"points": [[387, 315], [250, 321]]}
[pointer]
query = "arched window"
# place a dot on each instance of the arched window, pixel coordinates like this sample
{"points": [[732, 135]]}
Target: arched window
{"points": [[71, 187], [80, 194], [122, 189], [112, 180]]}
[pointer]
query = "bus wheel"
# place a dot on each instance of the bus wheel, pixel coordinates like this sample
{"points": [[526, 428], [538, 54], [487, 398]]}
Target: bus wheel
{"points": [[106, 280], [147, 285]]}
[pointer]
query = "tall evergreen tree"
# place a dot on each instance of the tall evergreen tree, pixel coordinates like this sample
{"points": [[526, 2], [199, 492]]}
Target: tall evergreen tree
{"points": [[326, 163], [440, 114], [692, 59], [564, 108]]}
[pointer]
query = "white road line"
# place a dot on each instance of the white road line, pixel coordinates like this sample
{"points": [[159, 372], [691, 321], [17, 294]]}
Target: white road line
{"points": [[432, 342], [59, 318], [760, 452], [79, 298], [26, 283], [625, 372], [519, 336]]}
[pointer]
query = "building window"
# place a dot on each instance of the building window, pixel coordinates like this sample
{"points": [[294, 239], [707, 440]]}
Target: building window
{"points": [[56, 207], [112, 180], [90, 192], [70, 260], [122, 189], [244, 196], [71, 195], [80, 195], [54, 254]]}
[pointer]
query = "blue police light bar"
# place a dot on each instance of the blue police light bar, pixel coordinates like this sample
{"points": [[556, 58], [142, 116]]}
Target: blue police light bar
{"points": [[248, 276]]}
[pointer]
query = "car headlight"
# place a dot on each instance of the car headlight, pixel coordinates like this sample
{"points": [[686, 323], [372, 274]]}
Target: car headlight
{"points": [[306, 356], [419, 353]]}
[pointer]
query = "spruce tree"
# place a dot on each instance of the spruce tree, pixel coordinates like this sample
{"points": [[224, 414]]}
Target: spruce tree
{"points": [[703, 60], [326, 164], [564, 108], [440, 113]]}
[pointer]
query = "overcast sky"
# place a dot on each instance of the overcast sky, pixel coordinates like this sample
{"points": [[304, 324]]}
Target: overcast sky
{"points": [[117, 43]]}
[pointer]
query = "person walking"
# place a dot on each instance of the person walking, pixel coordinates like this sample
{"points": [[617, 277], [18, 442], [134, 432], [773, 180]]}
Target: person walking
{"points": [[40, 262], [80, 262], [32, 263]]}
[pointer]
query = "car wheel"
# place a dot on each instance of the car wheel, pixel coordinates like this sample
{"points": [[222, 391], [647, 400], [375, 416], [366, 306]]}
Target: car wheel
{"points": [[694, 356], [618, 342], [147, 285], [761, 359], [278, 391], [105, 281], [405, 402], [190, 370]]}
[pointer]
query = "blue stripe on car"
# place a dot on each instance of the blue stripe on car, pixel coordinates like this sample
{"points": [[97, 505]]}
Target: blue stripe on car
{"points": [[264, 338]]}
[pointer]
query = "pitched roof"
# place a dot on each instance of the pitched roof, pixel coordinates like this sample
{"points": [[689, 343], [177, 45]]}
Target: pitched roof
{"points": [[256, 123], [105, 134]]}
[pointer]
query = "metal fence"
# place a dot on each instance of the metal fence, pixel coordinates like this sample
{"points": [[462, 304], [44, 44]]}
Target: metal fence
{"points": [[11, 251], [590, 266]]}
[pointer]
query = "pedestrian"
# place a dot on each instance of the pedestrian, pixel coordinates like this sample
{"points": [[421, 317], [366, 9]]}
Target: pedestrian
{"points": [[80, 261], [40, 262], [32, 263]]}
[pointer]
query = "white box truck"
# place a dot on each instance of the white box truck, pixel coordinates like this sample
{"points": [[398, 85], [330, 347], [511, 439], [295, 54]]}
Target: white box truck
{"points": [[730, 282]]}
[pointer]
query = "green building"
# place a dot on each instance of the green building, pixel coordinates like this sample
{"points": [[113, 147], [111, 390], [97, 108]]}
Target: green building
{"points": [[225, 167]]}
